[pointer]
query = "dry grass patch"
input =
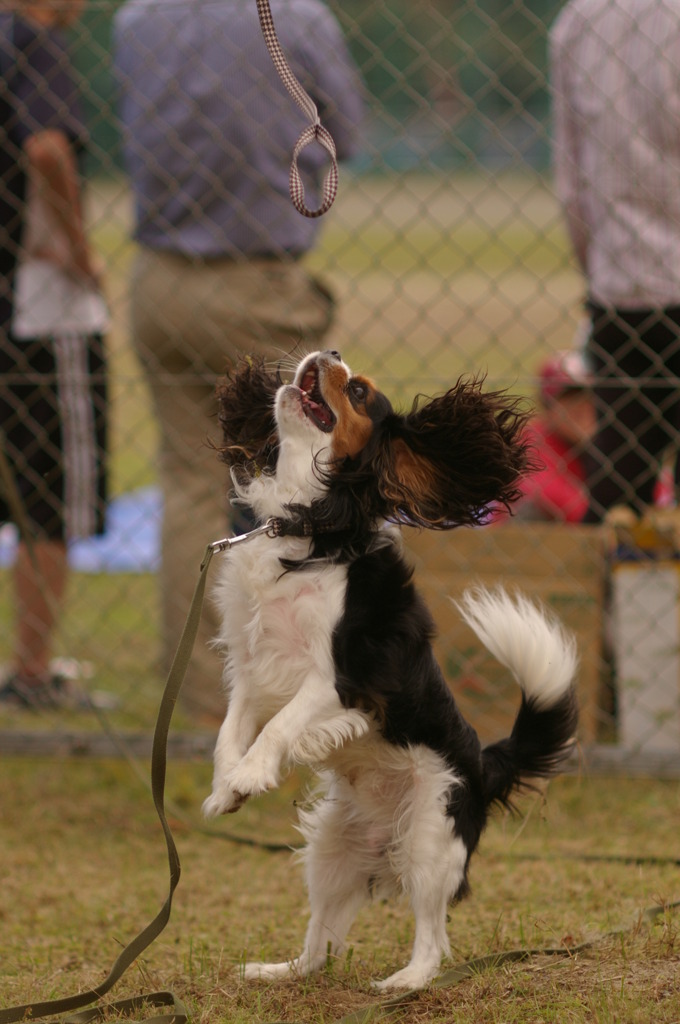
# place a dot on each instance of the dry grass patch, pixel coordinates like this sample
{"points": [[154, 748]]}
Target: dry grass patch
{"points": [[83, 869]]}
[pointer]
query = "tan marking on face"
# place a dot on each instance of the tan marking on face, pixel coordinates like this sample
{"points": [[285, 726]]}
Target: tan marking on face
{"points": [[354, 426]]}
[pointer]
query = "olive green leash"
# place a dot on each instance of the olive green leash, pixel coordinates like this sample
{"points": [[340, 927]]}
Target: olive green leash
{"points": [[176, 1013]]}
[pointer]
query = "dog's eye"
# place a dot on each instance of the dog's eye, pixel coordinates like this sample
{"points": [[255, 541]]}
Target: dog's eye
{"points": [[357, 390]]}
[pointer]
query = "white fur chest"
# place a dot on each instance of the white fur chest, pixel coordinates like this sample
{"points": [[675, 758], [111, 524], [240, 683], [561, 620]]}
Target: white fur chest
{"points": [[277, 625]]}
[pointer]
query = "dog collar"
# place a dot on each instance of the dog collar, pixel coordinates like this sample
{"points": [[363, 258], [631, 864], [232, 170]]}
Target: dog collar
{"points": [[300, 526], [275, 526]]}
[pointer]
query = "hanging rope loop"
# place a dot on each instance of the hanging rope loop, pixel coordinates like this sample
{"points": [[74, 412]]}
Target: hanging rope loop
{"points": [[315, 132]]}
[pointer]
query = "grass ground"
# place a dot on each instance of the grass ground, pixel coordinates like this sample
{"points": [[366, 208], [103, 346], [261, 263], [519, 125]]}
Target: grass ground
{"points": [[83, 869]]}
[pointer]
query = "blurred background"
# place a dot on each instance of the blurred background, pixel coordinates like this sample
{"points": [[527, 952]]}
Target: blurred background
{"points": [[447, 253]]}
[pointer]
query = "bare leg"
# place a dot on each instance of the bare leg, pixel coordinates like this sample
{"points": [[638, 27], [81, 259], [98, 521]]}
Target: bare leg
{"points": [[39, 591]]}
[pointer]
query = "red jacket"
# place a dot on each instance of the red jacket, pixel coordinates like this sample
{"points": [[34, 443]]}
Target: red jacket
{"points": [[557, 491]]}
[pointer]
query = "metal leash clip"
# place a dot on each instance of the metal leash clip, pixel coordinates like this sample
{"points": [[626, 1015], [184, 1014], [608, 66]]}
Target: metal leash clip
{"points": [[270, 528]]}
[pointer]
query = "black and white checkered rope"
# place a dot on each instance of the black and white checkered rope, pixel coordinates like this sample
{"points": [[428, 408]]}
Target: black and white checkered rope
{"points": [[315, 132]]}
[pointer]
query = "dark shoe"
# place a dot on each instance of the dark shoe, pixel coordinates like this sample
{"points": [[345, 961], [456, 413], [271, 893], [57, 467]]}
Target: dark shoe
{"points": [[56, 692], [69, 674], [33, 695]]}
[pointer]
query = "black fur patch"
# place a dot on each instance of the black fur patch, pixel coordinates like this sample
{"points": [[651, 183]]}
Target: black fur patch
{"points": [[385, 665]]}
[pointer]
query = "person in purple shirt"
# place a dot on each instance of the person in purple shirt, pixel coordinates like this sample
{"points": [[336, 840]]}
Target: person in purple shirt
{"points": [[209, 132]]}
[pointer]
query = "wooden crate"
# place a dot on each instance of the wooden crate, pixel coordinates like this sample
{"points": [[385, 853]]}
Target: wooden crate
{"points": [[563, 566]]}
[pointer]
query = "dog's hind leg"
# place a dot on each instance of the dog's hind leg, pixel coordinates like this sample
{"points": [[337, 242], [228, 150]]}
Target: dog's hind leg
{"points": [[431, 941], [332, 914], [338, 860], [430, 862], [430, 892]]}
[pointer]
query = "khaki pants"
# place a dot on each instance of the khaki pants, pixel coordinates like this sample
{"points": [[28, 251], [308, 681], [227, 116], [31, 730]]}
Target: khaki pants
{"points": [[190, 322]]}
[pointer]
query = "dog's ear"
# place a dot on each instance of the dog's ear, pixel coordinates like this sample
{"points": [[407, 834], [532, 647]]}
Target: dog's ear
{"points": [[448, 462], [245, 400]]}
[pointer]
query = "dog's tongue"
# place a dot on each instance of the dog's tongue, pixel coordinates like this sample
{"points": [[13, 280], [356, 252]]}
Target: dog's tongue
{"points": [[320, 412]]}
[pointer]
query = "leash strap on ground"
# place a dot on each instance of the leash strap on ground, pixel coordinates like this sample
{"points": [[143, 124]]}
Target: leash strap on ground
{"points": [[471, 968], [315, 132], [127, 1007], [178, 1015]]}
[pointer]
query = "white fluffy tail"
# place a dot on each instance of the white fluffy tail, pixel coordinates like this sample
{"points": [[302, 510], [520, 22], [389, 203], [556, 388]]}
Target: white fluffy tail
{"points": [[525, 638]]}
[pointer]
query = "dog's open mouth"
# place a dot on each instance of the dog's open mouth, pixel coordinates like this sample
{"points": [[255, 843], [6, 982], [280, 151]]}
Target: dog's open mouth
{"points": [[313, 405]]}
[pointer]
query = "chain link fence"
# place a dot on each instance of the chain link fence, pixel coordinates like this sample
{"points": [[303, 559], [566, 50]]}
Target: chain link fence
{"points": [[447, 253]]}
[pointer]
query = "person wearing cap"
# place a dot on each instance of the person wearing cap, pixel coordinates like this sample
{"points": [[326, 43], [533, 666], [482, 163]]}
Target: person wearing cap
{"points": [[559, 434]]}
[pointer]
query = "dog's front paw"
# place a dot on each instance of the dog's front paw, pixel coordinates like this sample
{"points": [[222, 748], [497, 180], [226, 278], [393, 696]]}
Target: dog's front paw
{"points": [[253, 775], [223, 800]]}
